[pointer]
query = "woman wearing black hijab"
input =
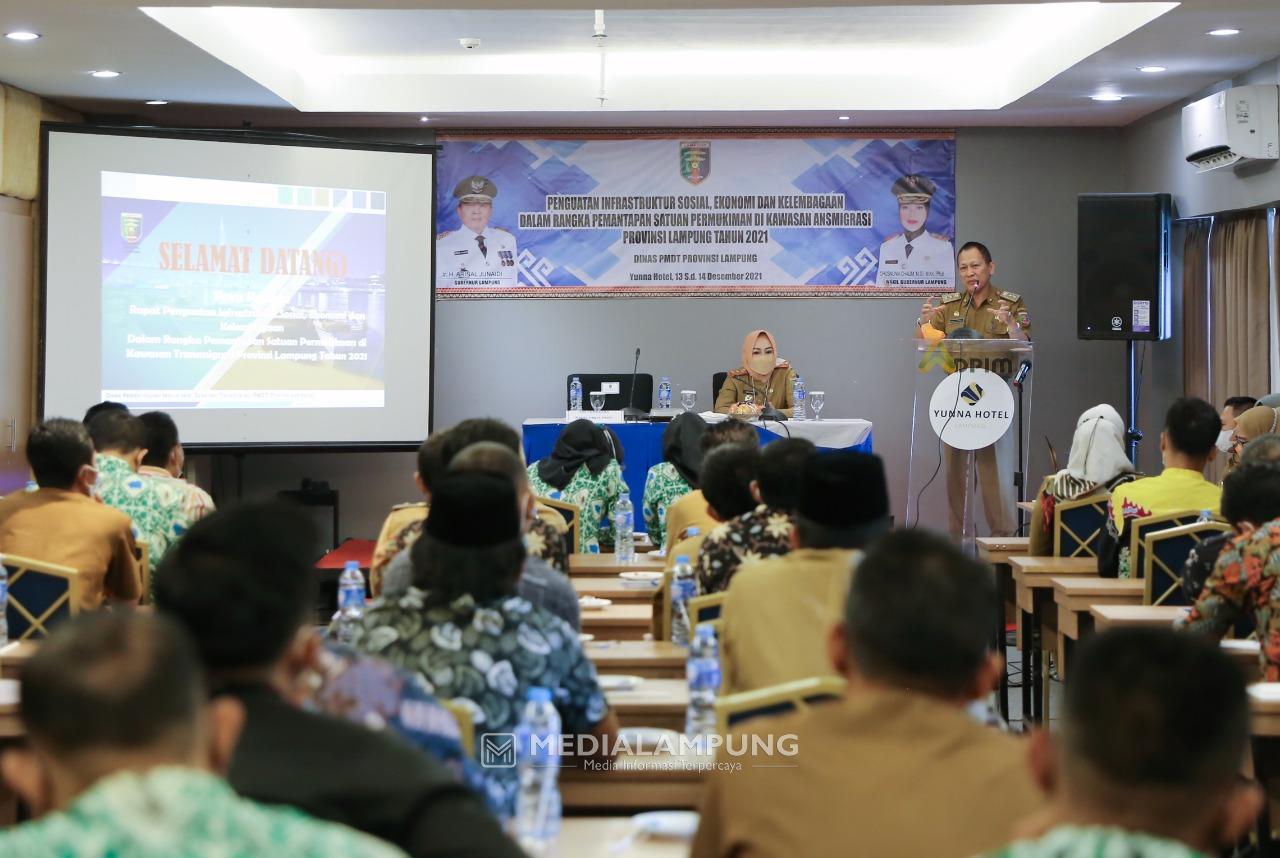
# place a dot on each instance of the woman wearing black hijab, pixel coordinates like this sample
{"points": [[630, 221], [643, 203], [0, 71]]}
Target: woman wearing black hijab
{"points": [[584, 469], [676, 475]]}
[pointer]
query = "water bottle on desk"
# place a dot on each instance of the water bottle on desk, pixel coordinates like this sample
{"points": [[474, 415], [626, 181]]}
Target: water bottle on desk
{"points": [[350, 603], [624, 528], [664, 394], [537, 821], [32, 486], [797, 399], [703, 671], [575, 394], [683, 588]]}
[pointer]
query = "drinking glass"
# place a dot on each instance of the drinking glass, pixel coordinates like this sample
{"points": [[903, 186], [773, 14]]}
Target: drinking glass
{"points": [[597, 400], [688, 399], [816, 398]]}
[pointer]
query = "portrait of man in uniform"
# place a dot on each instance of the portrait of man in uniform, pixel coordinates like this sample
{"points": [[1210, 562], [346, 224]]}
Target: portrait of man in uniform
{"points": [[915, 256], [477, 253]]}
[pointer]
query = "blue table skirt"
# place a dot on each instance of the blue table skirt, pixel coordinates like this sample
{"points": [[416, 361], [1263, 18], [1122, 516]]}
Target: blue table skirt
{"points": [[641, 447]]}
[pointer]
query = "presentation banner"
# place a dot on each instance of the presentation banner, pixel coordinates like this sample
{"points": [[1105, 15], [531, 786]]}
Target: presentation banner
{"points": [[696, 215]]}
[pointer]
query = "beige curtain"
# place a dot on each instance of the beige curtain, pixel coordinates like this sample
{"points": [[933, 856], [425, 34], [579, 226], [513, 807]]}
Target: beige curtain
{"points": [[1195, 309], [1239, 299]]}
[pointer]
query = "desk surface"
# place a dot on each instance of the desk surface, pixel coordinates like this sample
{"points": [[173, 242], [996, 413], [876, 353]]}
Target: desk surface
{"points": [[1159, 616], [996, 549], [1077, 586], [591, 837], [599, 565], [1054, 565], [650, 659], [606, 587]]}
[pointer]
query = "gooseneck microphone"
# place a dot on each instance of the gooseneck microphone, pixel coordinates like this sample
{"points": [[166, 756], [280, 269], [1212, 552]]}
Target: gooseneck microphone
{"points": [[631, 412]]}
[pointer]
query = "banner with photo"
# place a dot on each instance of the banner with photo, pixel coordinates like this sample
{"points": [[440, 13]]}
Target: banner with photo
{"points": [[696, 215]]}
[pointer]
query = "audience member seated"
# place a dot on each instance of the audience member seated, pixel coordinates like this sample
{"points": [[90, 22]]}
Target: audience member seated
{"points": [[1250, 498], [126, 756], [165, 460], [105, 405], [1186, 448], [896, 767], [778, 611], [690, 510], [728, 473], [676, 475], [242, 584], [61, 523], [765, 531], [1231, 410], [474, 640], [154, 506], [545, 538], [1146, 761], [763, 379], [1257, 421], [543, 586], [584, 469], [1097, 464]]}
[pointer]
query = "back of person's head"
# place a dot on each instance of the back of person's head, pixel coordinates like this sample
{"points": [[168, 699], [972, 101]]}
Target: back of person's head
{"points": [[1191, 427], [1240, 404], [1263, 450], [242, 583], [489, 457], [844, 500], [918, 616], [1251, 494], [779, 469], [431, 463], [730, 432], [727, 472], [1155, 726], [475, 430], [117, 431], [471, 543], [105, 405], [56, 450], [107, 681], [160, 439]]}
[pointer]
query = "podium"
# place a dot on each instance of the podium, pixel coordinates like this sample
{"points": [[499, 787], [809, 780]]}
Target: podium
{"points": [[972, 409]]}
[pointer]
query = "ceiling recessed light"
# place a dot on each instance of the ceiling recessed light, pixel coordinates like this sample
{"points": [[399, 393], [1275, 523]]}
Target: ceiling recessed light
{"points": [[1225, 31], [1107, 96], [843, 118], [22, 36], [1152, 69], [104, 73], [424, 118], [156, 102]]}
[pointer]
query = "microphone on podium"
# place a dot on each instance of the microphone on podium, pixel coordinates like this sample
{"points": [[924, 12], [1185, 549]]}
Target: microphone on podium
{"points": [[631, 412]]}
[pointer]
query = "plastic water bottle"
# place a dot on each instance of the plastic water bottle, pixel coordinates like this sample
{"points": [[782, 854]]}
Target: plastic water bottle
{"points": [[1205, 515], [538, 767], [624, 528], [683, 588], [4, 602], [703, 671], [664, 394], [32, 486], [350, 603], [575, 394], [797, 399]]}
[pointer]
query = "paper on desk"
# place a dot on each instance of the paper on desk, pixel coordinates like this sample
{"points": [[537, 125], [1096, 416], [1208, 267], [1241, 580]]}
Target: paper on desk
{"points": [[1241, 646], [1267, 692]]}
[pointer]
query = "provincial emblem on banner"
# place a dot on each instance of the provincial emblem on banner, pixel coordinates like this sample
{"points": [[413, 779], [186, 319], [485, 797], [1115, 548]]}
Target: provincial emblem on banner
{"points": [[131, 227], [695, 161]]}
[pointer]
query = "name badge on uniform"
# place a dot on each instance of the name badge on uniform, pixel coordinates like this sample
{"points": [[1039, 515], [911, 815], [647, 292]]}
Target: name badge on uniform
{"points": [[462, 252], [891, 262], [506, 257]]}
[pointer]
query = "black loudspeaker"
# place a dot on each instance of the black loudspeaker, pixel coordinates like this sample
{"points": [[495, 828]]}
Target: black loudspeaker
{"points": [[1122, 268]]}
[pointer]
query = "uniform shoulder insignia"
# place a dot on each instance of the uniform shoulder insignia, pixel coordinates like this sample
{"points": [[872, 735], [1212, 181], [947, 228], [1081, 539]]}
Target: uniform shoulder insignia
{"points": [[735, 373], [954, 296], [412, 505], [499, 229], [892, 237], [1010, 296], [440, 235], [940, 237]]}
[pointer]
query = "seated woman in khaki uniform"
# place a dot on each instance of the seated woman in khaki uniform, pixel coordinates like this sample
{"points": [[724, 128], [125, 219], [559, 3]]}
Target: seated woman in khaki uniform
{"points": [[763, 377]]}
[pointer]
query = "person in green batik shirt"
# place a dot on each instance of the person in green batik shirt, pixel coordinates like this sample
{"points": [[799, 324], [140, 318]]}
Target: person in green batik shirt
{"points": [[676, 475], [584, 469]]}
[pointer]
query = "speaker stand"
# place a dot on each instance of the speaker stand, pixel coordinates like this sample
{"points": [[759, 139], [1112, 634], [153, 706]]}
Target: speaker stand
{"points": [[1134, 435]]}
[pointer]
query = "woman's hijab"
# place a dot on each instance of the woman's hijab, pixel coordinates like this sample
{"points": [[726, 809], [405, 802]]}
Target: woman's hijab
{"points": [[1097, 456], [1259, 420], [682, 445], [581, 443], [759, 371]]}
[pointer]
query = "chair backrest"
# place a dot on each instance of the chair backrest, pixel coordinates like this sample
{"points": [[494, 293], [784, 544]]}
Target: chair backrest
{"points": [[144, 568], [717, 382], [572, 517], [800, 694], [1078, 525], [1164, 556], [466, 725], [704, 609], [41, 595], [1139, 528], [613, 401]]}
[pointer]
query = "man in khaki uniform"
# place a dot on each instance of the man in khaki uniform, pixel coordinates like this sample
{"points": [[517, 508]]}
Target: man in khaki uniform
{"points": [[992, 314], [779, 610], [895, 767]]}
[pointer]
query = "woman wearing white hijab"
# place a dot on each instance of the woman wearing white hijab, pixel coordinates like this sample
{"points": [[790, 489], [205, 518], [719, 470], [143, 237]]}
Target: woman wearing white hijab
{"points": [[1097, 464]]}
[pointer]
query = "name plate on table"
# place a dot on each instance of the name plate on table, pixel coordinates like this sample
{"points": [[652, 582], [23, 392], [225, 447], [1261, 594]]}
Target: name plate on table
{"points": [[594, 416]]}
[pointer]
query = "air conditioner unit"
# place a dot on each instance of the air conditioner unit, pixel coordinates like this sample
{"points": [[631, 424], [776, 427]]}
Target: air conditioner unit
{"points": [[1232, 126]]}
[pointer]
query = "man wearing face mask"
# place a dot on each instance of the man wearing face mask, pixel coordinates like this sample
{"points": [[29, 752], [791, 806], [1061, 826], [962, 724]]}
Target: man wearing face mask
{"points": [[995, 315], [763, 379], [1232, 409]]}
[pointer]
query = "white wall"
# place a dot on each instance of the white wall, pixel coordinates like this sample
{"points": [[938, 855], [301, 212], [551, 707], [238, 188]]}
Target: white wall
{"points": [[1017, 192]]}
